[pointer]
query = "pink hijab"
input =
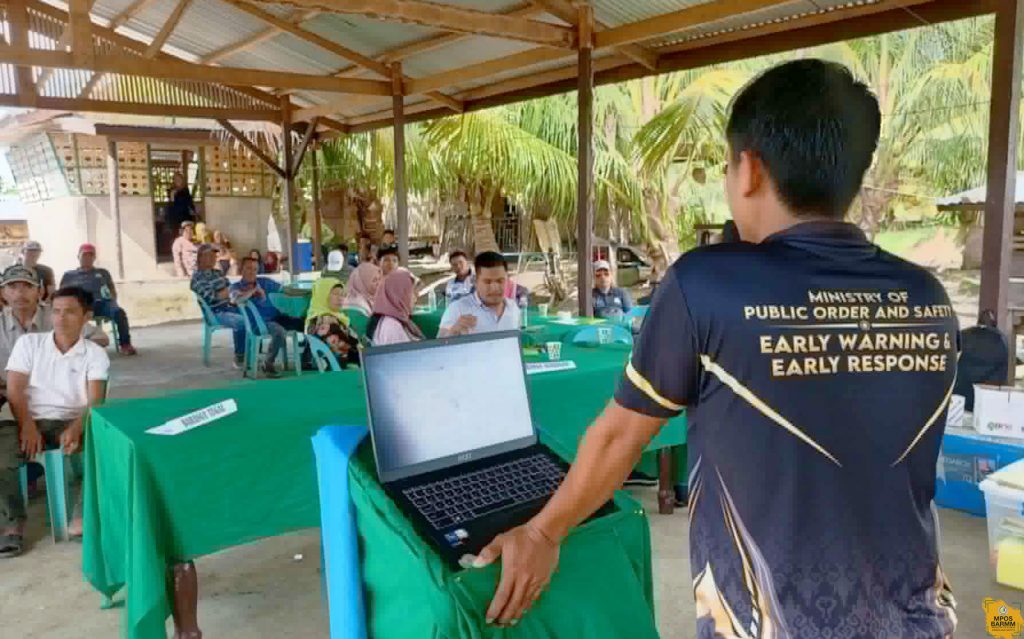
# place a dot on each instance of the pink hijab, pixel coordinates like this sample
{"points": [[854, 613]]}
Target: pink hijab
{"points": [[358, 294], [394, 299]]}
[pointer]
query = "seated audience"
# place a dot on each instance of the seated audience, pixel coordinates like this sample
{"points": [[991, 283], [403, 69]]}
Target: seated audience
{"points": [[337, 264], [256, 290], [327, 299], [183, 251], [203, 234], [100, 285], [24, 314], [226, 259], [388, 260], [392, 311], [53, 378], [30, 257], [610, 302], [463, 283], [210, 285], [387, 241], [342, 342], [256, 255], [362, 288], [984, 358], [486, 310]]}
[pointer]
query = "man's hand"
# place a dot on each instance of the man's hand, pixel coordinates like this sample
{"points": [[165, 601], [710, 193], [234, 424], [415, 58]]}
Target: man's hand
{"points": [[258, 292], [31, 439], [71, 438], [528, 559], [465, 324]]}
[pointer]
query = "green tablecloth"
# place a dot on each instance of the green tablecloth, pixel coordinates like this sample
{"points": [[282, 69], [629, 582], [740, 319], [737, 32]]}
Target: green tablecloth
{"points": [[153, 500], [539, 328], [291, 305]]}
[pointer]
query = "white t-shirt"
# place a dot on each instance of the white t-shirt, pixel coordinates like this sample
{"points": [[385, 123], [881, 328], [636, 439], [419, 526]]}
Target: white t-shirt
{"points": [[57, 384]]}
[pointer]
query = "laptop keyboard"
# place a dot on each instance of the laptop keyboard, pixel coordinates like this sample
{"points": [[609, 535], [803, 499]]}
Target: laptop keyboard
{"points": [[466, 497]]}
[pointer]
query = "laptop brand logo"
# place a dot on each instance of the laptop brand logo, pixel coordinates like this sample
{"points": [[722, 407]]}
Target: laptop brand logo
{"points": [[465, 457]]}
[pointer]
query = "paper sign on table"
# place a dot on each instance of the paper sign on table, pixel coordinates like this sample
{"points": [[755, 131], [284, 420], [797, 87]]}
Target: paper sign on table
{"points": [[532, 368], [196, 419]]}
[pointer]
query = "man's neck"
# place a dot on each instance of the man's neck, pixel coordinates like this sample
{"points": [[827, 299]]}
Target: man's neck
{"points": [[86, 268], [605, 289], [498, 308], [777, 219], [65, 343], [25, 316]]}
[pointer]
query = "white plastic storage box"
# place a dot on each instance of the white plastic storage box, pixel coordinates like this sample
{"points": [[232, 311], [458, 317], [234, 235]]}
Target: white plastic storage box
{"points": [[1005, 518]]}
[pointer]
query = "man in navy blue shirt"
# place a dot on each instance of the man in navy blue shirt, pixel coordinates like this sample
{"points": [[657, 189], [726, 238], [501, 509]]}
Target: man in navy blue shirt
{"points": [[816, 370]]}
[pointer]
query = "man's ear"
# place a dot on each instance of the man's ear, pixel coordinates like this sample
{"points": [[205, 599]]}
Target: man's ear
{"points": [[750, 172]]}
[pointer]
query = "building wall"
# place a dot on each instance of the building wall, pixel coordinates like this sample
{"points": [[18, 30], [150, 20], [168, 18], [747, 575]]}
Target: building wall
{"points": [[242, 219], [63, 224]]}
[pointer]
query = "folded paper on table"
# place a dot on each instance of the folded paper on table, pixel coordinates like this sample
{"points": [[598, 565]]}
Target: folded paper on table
{"points": [[334, 446], [195, 419], [532, 368]]}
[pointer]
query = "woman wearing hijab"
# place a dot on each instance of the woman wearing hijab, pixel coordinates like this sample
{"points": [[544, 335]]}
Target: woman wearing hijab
{"points": [[362, 288], [327, 298], [392, 311]]}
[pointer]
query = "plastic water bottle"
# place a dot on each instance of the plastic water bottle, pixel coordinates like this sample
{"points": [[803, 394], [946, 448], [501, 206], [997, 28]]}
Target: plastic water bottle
{"points": [[432, 299]]}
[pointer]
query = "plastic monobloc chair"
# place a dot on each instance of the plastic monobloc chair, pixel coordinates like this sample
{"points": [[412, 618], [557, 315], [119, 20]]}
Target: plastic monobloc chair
{"points": [[322, 355], [210, 326]]}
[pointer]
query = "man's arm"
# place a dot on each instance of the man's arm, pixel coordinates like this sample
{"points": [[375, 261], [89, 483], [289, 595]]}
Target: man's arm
{"points": [[17, 394], [610, 449], [178, 255], [95, 334], [627, 301], [71, 437]]}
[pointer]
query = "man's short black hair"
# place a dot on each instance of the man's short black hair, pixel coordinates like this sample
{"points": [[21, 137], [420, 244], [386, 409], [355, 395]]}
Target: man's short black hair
{"points": [[83, 296], [457, 253], [387, 250], [815, 128], [387, 231], [248, 258], [343, 248], [489, 259]]}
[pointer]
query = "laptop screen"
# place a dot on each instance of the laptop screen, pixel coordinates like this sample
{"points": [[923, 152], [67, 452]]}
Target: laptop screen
{"points": [[439, 403]]}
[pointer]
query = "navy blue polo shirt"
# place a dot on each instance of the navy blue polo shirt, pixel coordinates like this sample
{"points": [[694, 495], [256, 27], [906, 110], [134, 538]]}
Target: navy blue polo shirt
{"points": [[816, 370]]}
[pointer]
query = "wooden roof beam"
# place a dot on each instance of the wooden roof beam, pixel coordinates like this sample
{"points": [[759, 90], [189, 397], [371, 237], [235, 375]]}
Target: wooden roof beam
{"points": [[251, 146], [67, 38], [448, 18], [176, 69], [17, 24], [680, 20], [527, 58], [133, 45], [165, 31], [564, 11], [329, 45], [138, 108], [296, 17], [130, 12]]}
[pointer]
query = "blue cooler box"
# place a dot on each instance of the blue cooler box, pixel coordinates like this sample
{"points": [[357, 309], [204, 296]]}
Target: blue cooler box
{"points": [[967, 458]]}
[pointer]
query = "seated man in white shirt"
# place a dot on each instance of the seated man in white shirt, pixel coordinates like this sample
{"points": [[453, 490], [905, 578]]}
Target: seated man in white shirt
{"points": [[486, 310], [53, 379]]}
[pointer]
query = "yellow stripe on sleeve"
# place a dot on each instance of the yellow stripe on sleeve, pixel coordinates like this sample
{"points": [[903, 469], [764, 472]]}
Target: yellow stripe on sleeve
{"points": [[638, 380]]}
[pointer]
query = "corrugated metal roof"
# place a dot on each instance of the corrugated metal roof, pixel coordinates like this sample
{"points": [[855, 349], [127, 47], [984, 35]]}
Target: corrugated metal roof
{"points": [[208, 26]]}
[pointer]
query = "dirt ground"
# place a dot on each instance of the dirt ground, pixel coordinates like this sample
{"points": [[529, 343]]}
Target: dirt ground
{"points": [[271, 589]]}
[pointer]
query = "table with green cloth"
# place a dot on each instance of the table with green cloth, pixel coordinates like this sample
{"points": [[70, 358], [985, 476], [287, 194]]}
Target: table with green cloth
{"points": [[152, 501], [539, 328]]}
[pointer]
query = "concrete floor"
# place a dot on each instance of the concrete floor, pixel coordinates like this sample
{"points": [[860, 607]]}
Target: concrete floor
{"points": [[271, 589]]}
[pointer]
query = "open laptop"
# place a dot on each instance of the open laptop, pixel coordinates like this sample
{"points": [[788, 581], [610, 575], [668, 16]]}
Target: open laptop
{"points": [[454, 441]]}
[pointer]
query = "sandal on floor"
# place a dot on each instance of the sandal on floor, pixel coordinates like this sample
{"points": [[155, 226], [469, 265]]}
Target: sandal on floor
{"points": [[11, 545]]}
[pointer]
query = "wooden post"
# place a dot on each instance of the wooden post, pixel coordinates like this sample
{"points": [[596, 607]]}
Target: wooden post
{"points": [[114, 186], [318, 252], [585, 162], [288, 195], [1004, 124], [401, 203]]}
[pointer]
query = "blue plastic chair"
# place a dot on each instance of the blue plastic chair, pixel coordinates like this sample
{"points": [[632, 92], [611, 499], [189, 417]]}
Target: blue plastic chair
{"points": [[100, 321], [322, 355], [210, 326], [257, 335], [59, 471], [589, 336]]}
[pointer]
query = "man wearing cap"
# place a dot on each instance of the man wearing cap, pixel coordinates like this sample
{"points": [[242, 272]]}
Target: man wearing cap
{"points": [[610, 302], [98, 283], [210, 285], [183, 251], [23, 314], [30, 258]]}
